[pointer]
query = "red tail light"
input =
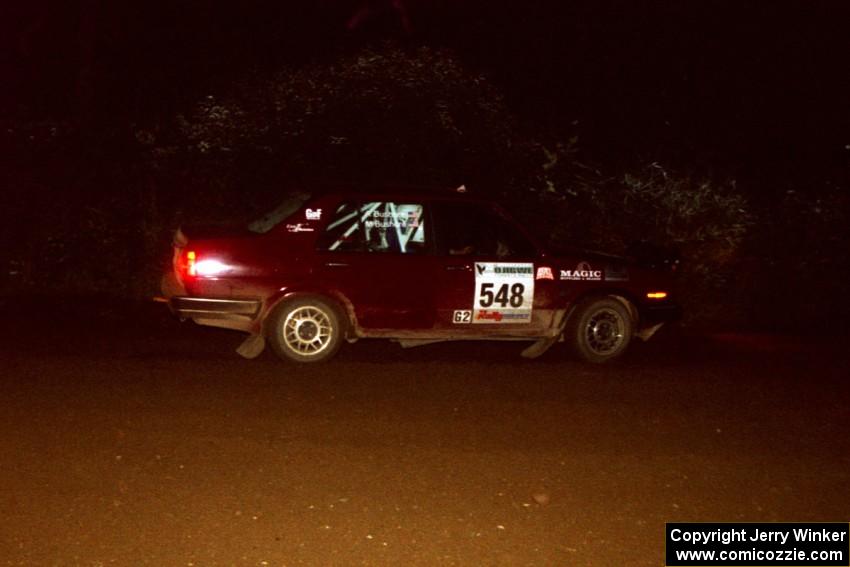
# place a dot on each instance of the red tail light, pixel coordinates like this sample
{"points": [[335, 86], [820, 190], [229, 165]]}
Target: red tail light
{"points": [[191, 259], [192, 265], [184, 264]]}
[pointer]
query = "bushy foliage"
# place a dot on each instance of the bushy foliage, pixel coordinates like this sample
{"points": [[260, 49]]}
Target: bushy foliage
{"points": [[705, 221], [65, 242], [420, 117], [388, 116], [801, 268], [702, 221], [87, 218]]}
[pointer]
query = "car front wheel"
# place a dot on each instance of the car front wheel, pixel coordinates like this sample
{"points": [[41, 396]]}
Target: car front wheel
{"points": [[305, 330], [601, 329]]}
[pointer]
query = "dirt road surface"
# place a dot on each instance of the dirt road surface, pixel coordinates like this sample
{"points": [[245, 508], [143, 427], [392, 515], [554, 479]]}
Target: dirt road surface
{"points": [[130, 439]]}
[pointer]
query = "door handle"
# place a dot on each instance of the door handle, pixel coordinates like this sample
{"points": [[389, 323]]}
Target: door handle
{"points": [[459, 268], [336, 265]]}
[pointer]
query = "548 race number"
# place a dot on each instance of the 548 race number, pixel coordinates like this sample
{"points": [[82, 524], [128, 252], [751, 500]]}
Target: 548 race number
{"points": [[507, 294]]}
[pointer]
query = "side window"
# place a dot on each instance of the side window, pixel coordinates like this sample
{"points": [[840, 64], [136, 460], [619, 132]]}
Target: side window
{"points": [[472, 229], [510, 241], [376, 226], [343, 232]]}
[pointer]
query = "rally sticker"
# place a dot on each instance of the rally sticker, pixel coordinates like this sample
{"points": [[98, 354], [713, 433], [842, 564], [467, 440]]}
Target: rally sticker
{"points": [[504, 292], [299, 227], [583, 272], [545, 273]]}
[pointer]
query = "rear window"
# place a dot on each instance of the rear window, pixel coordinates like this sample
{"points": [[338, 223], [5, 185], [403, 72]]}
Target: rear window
{"points": [[280, 213]]}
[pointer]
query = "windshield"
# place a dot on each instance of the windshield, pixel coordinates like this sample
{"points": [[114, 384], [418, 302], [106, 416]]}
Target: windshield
{"points": [[273, 218]]}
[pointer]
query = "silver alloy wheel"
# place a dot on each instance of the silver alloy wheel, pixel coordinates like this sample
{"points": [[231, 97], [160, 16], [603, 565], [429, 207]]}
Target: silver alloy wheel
{"points": [[605, 331], [307, 330]]}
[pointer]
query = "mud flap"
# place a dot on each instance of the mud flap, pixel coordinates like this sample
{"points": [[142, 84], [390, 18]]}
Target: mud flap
{"points": [[646, 334], [252, 347], [538, 347]]}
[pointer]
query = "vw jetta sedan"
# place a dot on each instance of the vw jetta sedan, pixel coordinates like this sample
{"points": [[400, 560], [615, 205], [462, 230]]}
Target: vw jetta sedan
{"points": [[415, 268]]}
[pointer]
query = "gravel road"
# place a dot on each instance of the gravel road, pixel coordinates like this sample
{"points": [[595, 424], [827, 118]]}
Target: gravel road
{"points": [[130, 439]]}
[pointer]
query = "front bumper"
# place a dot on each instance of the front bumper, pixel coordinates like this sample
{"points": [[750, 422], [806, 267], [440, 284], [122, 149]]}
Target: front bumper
{"points": [[653, 314]]}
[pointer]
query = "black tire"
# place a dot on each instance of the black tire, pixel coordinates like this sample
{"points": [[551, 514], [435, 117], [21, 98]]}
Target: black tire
{"points": [[600, 330], [306, 329]]}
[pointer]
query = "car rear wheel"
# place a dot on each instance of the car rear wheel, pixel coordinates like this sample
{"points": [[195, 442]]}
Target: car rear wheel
{"points": [[305, 330], [601, 329]]}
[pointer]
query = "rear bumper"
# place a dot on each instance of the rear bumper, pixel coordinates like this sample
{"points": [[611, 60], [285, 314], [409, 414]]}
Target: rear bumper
{"points": [[206, 308], [230, 313]]}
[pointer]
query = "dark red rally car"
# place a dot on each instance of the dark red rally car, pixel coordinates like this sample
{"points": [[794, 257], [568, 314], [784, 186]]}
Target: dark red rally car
{"points": [[410, 267]]}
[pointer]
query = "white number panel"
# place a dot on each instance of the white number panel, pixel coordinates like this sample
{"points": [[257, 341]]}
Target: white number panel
{"points": [[504, 292]]}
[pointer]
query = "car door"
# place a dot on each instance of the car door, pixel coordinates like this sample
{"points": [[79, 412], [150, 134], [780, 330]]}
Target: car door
{"points": [[377, 254], [490, 282]]}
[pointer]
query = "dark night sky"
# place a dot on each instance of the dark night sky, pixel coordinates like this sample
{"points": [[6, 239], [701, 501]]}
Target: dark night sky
{"points": [[735, 85]]}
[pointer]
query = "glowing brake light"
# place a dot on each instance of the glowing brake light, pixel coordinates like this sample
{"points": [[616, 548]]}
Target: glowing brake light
{"points": [[195, 266], [656, 295], [210, 268]]}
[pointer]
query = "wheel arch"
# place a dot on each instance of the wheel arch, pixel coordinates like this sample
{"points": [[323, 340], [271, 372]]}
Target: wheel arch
{"points": [[624, 297], [338, 301]]}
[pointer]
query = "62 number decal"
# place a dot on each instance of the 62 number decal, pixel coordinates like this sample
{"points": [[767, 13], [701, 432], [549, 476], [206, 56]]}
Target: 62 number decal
{"points": [[462, 316], [506, 295]]}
